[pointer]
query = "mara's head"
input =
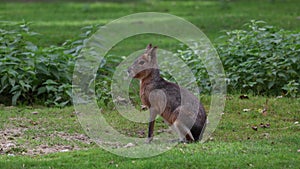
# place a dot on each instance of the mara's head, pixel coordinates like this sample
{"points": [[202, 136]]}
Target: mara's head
{"points": [[144, 64]]}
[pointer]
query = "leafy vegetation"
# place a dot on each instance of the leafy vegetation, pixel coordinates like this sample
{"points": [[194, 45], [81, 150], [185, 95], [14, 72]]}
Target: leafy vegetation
{"points": [[262, 59], [30, 73]]}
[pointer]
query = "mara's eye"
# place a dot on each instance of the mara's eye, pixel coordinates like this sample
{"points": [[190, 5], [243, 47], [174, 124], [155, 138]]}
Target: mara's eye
{"points": [[142, 62]]}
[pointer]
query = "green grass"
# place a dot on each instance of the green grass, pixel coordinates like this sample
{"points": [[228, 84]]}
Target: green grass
{"points": [[58, 21], [212, 155], [234, 144]]}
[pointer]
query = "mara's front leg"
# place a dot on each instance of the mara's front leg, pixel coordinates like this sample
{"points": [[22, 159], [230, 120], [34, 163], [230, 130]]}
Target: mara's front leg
{"points": [[158, 100], [153, 115]]}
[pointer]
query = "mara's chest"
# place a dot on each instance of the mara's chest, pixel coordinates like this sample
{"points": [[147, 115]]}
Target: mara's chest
{"points": [[144, 95]]}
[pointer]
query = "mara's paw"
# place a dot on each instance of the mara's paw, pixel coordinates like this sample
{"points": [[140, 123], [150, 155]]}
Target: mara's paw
{"points": [[148, 140]]}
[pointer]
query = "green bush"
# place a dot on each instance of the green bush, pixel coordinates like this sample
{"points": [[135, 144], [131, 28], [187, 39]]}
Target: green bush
{"points": [[33, 74], [261, 59], [30, 73], [104, 80]]}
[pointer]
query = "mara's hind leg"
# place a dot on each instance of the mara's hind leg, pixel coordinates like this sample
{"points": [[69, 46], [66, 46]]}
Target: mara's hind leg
{"points": [[197, 132], [183, 131]]}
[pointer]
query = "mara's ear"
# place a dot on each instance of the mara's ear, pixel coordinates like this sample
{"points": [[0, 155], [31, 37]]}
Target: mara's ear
{"points": [[151, 54], [149, 47]]}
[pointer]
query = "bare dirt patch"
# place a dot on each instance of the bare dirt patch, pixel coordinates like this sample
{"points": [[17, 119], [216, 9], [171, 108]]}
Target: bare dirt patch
{"points": [[15, 141]]}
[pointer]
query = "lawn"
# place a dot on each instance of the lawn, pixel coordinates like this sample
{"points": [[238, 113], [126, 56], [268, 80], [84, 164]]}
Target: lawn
{"points": [[59, 21], [234, 144], [43, 137]]}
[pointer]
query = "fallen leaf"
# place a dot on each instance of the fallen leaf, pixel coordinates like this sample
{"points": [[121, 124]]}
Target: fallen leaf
{"points": [[262, 125], [254, 128], [246, 110]]}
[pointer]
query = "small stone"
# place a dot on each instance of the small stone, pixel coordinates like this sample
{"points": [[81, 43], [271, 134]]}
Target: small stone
{"points": [[35, 112], [64, 150]]}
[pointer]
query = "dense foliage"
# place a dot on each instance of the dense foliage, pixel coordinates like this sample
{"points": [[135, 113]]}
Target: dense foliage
{"points": [[30, 73], [262, 59], [259, 59]]}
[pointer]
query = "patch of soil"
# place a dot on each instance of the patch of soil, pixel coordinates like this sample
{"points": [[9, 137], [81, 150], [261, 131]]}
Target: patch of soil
{"points": [[8, 139], [10, 136]]}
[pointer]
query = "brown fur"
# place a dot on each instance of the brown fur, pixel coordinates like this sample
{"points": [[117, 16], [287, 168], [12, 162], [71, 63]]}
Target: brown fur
{"points": [[179, 108]]}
